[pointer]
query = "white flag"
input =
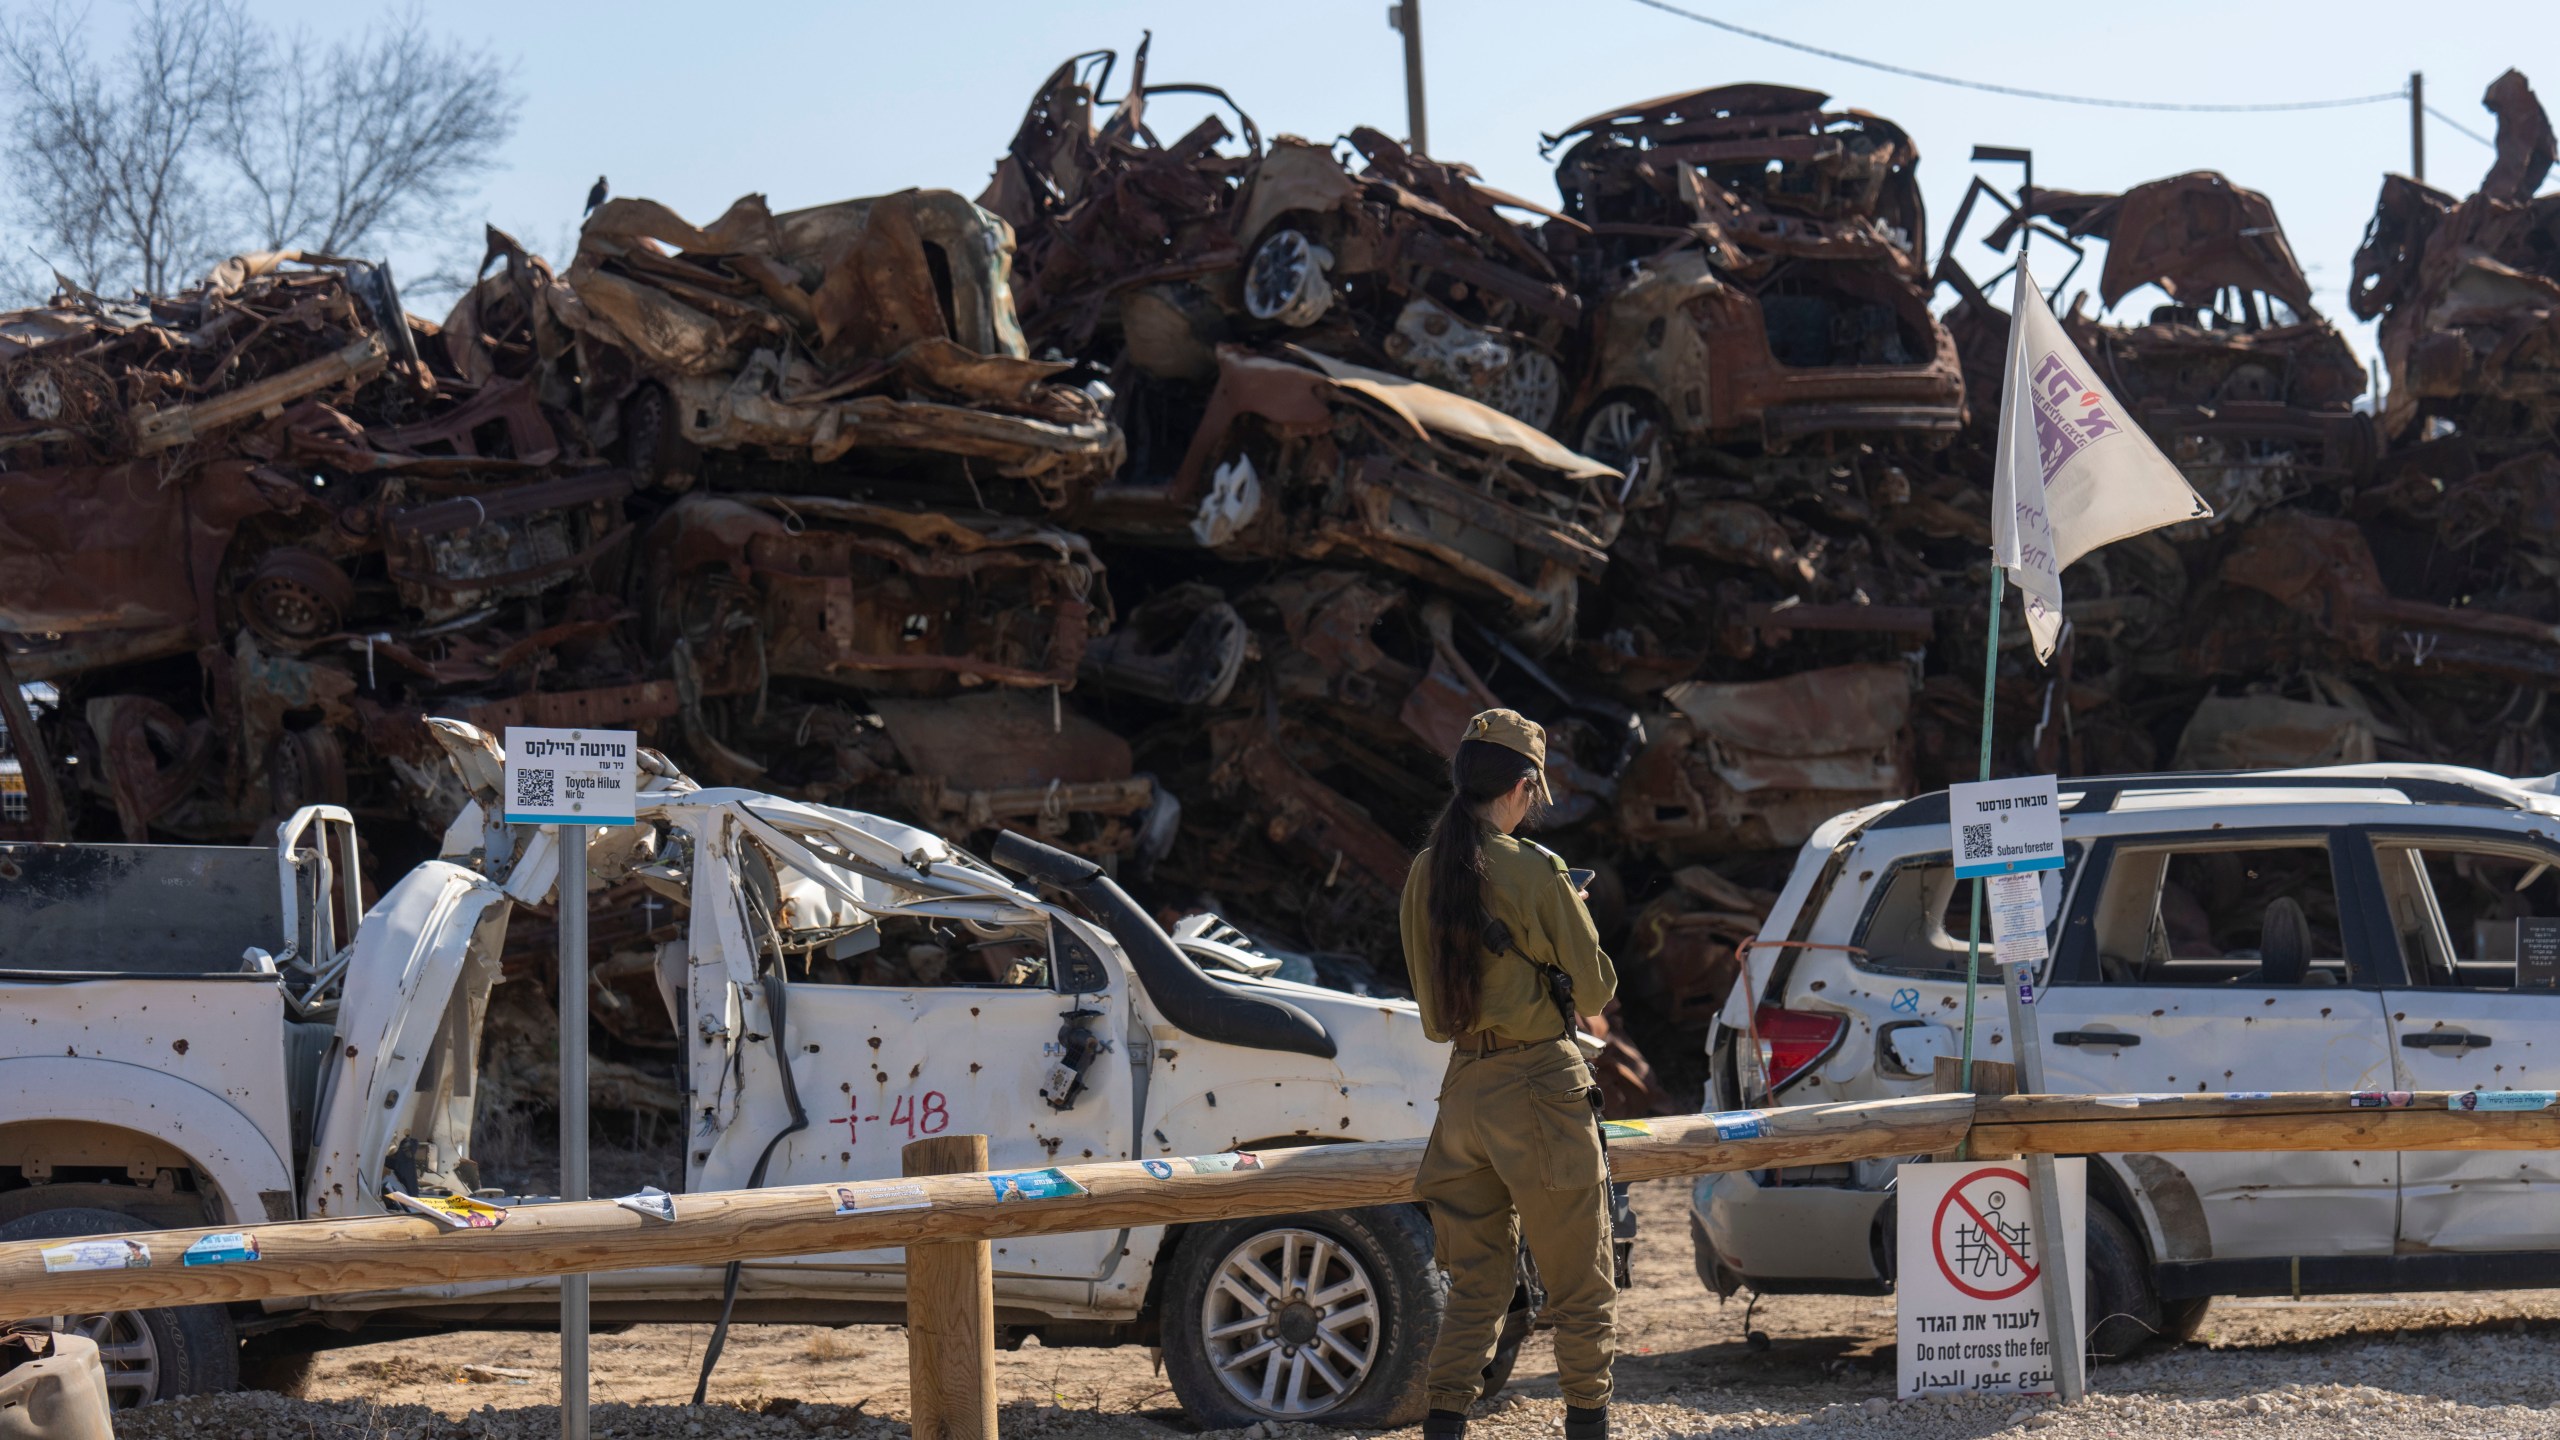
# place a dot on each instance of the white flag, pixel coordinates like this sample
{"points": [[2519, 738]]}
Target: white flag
{"points": [[2074, 472]]}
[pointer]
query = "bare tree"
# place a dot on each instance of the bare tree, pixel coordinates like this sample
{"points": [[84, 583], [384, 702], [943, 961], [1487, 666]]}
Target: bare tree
{"points": [[372, 137], [211, 133], [109, 166]]}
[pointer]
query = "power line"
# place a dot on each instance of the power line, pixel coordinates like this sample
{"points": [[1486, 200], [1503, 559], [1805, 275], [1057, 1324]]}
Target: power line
{"points": [[2019, 92], [2457, 127]]}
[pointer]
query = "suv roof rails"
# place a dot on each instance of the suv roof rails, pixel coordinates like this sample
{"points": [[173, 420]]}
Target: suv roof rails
{"points": [[2099, 793]]}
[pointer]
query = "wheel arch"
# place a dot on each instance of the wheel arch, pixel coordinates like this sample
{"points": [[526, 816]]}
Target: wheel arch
{"points": [[133, 1115]]}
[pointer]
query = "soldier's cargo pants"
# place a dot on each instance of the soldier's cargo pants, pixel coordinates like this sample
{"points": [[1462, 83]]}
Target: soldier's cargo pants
{"points": [[1513, 1155]]}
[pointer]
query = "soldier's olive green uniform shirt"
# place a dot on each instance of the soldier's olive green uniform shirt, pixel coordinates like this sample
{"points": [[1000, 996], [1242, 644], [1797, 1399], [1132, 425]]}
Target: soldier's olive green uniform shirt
{"points": [[1525, 887]]}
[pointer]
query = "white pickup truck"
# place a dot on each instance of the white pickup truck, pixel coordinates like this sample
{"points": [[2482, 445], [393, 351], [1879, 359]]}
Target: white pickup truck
{"points": [[201, 1035]]}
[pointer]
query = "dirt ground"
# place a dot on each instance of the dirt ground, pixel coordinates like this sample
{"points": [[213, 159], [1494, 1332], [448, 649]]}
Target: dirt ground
{"points": [[2444, 1364]]}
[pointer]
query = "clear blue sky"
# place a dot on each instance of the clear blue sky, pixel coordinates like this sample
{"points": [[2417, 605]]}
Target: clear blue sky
{"points": [[810, 102]]}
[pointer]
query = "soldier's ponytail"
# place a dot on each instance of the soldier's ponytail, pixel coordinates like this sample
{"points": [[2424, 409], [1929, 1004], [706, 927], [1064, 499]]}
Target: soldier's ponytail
{"points": [[1479, 773]]}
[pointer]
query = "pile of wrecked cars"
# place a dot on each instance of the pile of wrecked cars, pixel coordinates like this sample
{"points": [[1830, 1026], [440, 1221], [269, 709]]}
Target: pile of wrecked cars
{"points": [[1173, 503]]}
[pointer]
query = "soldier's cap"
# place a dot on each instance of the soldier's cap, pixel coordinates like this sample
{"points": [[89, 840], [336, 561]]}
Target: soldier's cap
{"points": [[1517, 732]]}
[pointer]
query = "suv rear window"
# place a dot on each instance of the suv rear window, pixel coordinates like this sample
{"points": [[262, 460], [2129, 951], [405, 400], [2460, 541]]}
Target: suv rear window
{"points": [[1916, 923]]}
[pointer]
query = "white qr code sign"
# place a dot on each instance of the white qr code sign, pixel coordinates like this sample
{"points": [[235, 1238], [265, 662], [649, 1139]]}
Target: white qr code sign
{"points": [[2001, 827], [574, 777]]}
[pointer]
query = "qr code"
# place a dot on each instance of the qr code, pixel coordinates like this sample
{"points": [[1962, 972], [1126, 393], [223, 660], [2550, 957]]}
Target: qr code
{"points": [[542, 788], [1977, 840]]}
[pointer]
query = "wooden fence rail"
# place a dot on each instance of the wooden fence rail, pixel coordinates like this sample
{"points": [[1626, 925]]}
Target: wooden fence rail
{"points": [[322, 1257]]}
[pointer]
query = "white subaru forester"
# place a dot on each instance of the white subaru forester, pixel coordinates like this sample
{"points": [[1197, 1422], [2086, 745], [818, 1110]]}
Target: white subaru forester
{"points": [[2351, 927]]}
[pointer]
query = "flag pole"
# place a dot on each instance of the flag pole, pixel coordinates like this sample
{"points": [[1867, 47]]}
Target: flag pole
{"points": [[1973, 929]]}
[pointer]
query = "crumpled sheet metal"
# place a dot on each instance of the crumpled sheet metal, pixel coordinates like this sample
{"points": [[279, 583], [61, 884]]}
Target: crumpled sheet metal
{"points": [[874, 324], [1305, 456], [1756, 267], [749, 587], [2256, 400], [1757, 765], [2468, 292]]}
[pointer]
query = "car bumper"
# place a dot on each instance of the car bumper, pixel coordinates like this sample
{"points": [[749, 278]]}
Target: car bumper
{"points": [[1790, 1239]]}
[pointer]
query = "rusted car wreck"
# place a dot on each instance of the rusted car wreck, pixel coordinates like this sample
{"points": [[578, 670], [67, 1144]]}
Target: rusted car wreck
{"points": [[1178, 500]]}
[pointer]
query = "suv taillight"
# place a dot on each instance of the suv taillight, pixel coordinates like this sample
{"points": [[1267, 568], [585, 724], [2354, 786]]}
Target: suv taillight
{"points": [[1792, 1040]]}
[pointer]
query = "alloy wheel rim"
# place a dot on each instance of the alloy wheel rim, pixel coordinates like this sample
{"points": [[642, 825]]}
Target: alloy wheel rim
{"points": [[1291, 1322], [126, 1348]]}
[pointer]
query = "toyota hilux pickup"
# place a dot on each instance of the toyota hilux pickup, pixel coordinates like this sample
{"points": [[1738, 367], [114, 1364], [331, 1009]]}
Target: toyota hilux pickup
{"points": [[217, 1035], [2358, 927]]}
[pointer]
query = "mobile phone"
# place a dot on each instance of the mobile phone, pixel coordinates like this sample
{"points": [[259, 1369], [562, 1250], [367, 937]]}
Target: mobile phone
{"points": [[1580, 879]]}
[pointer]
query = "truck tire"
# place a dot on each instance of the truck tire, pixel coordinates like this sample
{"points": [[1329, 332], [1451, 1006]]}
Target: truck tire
{"points": [[1359, 1359], [150, 1355], [2123, 1311]]}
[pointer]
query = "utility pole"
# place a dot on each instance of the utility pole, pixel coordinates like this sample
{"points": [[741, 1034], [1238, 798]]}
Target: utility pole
{"points": [[1405, 17], [2417, 125]]}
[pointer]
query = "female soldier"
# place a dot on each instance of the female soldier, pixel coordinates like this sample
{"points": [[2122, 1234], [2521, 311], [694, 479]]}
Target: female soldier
{"points": [[1487, 918]]}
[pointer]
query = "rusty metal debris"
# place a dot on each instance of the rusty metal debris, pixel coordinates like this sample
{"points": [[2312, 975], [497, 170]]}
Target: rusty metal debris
{"points": [[1179, 499]]}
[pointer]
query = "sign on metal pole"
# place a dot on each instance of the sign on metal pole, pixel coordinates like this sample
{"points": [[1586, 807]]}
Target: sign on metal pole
{"points": [[2001, 827], [573, 779], [1970, 1295]]}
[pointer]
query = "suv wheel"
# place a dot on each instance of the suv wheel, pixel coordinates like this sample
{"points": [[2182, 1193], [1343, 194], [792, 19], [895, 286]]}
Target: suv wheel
{"points": [[149, 1355], [1329, 1314], [2123, 1311]]}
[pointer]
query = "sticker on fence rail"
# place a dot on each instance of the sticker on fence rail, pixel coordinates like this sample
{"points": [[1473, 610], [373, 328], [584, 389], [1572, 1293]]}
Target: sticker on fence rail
{"points": [[2502, 1100], [1034, 1185], [1226, 1163], [1626, 1130], [225, 1247], [2381, 1100], [97, 1255], [1971, 1315], [879, 1199], [651, 1201], [452, 1211], [1740, 1124]]}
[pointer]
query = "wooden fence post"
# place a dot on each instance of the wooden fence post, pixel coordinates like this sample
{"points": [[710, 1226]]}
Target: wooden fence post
{"points": [[951, 1312]]}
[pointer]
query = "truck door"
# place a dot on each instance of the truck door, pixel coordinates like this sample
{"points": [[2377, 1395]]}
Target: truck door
{"points": [[935, 1028], [2217, 963], [2470, 1018]]}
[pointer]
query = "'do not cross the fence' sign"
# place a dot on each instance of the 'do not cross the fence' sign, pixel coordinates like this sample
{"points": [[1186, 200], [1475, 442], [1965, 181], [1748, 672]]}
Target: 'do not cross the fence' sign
{"points": [[1971, 1316]]}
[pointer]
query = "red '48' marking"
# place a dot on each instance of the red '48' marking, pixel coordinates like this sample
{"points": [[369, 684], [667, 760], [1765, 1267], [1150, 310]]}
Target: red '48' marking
{"points": [[931, 1117]]}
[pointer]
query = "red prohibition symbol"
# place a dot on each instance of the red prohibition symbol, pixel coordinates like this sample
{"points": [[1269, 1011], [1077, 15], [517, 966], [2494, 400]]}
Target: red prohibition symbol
{"points": [[1987, 1226]]}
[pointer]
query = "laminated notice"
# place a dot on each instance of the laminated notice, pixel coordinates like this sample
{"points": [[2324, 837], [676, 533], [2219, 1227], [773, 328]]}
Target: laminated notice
{"points": [[2017, 918]]}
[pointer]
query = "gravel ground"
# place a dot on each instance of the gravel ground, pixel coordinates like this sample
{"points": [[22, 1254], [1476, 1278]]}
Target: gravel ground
{"points": [[2454, 1366]]}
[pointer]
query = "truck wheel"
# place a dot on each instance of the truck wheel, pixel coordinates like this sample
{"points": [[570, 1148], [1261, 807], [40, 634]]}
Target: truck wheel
{"points": [[2124, 1313], [1329, 1314], [150, 1355]]}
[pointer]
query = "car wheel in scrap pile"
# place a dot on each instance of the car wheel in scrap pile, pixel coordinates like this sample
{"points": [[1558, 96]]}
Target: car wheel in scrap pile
{"points": [[1327, 1315], [1286, 283], [1529, 389], [1624, 433], [150, 1355], [296, 597]]}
